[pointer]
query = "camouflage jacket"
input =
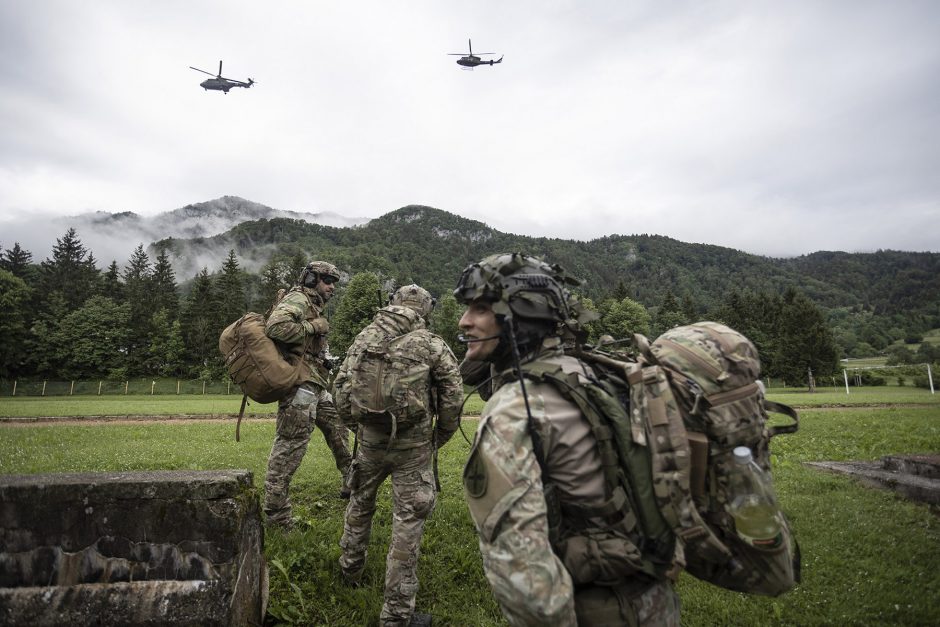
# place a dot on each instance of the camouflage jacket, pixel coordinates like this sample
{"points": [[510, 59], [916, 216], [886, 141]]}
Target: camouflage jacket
{"points": [[445, 384], [504, 489], [297, 324]]}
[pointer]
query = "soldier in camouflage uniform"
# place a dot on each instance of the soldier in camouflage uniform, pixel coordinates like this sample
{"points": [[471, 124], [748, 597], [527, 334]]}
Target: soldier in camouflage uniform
{"points": [[535, 469], [406, 452], [298, 326]]}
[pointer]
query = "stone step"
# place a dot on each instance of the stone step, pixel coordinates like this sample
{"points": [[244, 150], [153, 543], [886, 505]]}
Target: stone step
{"points": [[915, 477]]}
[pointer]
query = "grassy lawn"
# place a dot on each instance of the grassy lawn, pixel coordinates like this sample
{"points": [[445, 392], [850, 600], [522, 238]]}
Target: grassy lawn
{"points": [[869, 558]]}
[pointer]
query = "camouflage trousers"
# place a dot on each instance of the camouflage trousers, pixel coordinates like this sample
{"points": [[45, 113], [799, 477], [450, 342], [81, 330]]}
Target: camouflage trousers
{"points": [[413, 499], [297, 414], [629, 604]]}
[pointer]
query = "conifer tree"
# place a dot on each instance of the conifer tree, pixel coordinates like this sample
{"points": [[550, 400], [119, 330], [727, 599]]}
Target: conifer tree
{"points": [[360, 301], [230, 293], [198, 324], [67, 273], [163, 290], [137, 286], [17, 262], [444, 321]]}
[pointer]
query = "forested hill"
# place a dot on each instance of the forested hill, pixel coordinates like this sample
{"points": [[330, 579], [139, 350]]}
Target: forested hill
{"points": [[431, 247]]}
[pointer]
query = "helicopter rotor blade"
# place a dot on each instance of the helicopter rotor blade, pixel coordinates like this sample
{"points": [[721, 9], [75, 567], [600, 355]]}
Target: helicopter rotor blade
{"points": [[203, 71], [220, 68]]}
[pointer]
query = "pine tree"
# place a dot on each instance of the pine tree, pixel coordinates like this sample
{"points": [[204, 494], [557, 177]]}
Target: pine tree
{"points": [[163, 290], [444, 321], [668, 315], [68, 273], [805, 340], [137, 285], [359, 303], [198, 324], [17, 262], [230, 293], [111, 285]]}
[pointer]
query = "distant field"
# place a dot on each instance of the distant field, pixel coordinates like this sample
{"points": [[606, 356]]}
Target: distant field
{"points": [[228, 405]]}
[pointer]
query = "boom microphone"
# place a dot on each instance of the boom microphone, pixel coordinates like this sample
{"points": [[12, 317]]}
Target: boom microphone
{"points": [[463, 339]]}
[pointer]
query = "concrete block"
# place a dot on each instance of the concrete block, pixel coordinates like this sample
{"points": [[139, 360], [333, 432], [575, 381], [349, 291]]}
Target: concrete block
{"points": [[131, 548]]}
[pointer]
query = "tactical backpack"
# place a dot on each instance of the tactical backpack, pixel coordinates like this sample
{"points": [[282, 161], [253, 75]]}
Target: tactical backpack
{"points": [[387, 383], [255, 363], [666, 422]]}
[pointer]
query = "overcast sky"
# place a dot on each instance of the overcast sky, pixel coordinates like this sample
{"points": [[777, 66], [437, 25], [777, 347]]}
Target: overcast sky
{"points": [[779, 128]]}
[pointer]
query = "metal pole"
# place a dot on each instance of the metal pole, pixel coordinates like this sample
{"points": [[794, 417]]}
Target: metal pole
{"points": [[43, 393], [126, 385], [14, 387], [930, 378], [72, 388], [99, 388], [177, 387], [153, 384], [203, 387], [845, 375]]}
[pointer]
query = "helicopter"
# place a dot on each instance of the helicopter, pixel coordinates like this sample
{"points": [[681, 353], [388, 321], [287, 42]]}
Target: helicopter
{"points": [[219, 82], [472, 60]]}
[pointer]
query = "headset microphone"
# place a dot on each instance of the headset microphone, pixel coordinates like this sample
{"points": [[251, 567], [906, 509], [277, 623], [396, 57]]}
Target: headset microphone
{"points": [[463, 339]]}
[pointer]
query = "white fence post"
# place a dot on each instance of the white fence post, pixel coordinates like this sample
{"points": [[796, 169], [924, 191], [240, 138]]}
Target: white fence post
{"points": [[153, 384], [845, 375], [14, 387], [99, 388], [72, 388], [126, 385], [177, 387], [930, 378], [43, 393], [203, 387]]}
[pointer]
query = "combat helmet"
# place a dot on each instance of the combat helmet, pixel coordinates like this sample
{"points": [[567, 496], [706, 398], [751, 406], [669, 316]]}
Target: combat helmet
{"points": [[531, 294], [314, 271], [414, 297]]}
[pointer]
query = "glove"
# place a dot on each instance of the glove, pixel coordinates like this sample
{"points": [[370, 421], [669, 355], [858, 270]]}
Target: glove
{"points": [[318, 326]]}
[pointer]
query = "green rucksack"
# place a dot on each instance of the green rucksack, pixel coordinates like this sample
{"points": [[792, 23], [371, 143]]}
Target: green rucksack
{"points": [[385, 380], [666, 422]]}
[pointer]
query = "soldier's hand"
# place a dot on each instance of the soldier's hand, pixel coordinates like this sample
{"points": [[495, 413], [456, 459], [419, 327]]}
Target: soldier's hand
{"points": [[318, 326]]}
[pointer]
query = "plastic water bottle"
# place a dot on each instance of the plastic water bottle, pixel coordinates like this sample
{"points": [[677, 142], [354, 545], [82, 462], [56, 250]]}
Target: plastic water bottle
{"points": [[753, 504]]}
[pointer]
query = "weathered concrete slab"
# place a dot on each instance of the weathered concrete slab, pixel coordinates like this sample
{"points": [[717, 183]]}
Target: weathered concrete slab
{"points": [[916, 477], [134, 548]]}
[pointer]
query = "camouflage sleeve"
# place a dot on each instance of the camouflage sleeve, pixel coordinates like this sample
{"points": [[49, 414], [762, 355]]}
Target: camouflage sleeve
{"points": [[503, 486], [287, 323], [448, 384]]}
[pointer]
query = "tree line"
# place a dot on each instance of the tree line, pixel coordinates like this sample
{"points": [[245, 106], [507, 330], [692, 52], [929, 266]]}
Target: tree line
{"points": [[65, 318]]}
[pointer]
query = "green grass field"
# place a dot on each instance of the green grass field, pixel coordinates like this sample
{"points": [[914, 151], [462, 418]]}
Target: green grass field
{"points": [[869, 558]]}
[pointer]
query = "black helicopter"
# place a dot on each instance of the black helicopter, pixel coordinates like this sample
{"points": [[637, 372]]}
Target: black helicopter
{"points": [[219, 82], [472, 60]]}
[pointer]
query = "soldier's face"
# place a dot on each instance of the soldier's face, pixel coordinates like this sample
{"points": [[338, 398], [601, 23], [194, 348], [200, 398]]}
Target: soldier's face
{"points": [[325, 290], [479, 322]]}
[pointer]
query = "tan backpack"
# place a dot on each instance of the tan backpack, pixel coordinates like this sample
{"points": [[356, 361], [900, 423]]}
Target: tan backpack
{"points": [[256, 364]]}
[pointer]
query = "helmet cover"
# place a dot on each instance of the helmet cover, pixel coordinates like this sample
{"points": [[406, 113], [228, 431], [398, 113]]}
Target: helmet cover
{"points": [[414, 297]]}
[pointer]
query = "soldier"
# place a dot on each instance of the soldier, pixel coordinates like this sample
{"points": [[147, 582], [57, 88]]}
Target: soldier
{"points": [[534, 480], [298, 326], [401, 441]]}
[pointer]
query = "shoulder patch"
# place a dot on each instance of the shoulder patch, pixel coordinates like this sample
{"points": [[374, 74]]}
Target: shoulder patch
{"points": [[474, 476]]}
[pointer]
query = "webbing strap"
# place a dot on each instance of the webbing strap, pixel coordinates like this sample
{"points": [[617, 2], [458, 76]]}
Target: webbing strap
{"points": [[780, 408]]}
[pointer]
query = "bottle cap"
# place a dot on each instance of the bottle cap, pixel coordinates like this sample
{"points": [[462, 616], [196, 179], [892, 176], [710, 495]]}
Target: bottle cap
{"points": [[742, 455]]}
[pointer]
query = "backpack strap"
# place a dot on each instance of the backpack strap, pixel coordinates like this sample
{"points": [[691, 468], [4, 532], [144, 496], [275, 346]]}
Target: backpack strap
{"points": [[780, 408]]}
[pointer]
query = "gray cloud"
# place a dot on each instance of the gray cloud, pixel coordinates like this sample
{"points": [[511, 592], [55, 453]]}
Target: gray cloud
{"points": [[777, 128]]}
